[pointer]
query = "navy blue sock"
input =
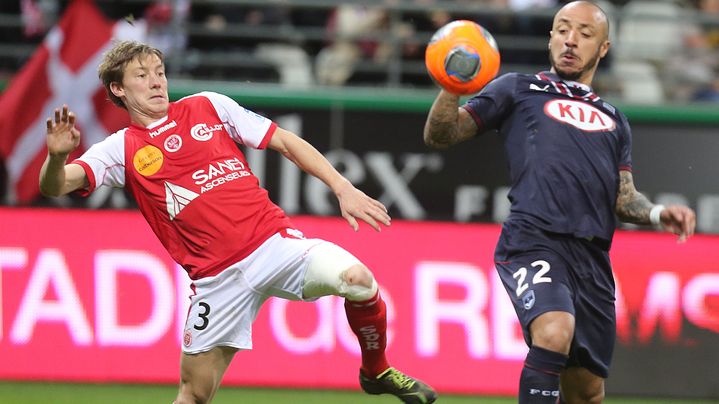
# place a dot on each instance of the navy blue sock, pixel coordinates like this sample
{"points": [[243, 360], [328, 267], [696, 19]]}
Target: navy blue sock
{"points": [[539, 382]]}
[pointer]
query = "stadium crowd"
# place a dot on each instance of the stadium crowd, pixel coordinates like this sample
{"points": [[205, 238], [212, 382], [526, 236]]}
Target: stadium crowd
{"points": [[664, 50]]}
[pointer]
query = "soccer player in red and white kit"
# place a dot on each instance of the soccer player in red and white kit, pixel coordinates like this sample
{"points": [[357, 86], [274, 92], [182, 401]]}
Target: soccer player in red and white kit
{"points": [[181, 163]]}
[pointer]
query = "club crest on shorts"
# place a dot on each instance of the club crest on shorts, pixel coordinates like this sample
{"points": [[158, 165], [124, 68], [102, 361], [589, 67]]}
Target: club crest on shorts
{"points": [[187, 338], [528, 300]]}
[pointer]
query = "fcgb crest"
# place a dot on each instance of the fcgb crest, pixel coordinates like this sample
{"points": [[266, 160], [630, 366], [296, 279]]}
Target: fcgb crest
{"points": [[528, 300]]}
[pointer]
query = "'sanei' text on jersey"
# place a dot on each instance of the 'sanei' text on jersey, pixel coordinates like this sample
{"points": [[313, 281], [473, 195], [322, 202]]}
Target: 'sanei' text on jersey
{"points": [[219, 173]]}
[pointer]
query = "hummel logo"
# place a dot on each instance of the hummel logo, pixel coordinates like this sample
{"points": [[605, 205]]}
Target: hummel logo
{"points": [[537, 88], [163, 129]]}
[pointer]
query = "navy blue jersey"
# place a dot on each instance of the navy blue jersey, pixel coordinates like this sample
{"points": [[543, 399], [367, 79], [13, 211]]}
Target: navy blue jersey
{"points": [[565, 148]]}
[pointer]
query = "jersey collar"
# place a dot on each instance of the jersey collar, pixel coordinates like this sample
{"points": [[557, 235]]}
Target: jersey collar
{"points": [[547, 75], [568, 87]]}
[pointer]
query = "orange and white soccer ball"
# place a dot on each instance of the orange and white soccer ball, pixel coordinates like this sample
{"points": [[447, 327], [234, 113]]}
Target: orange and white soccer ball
{"points": [[462, 57]]}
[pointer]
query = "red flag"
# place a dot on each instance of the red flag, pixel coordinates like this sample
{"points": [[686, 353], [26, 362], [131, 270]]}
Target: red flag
{"points": [[63, 70]]}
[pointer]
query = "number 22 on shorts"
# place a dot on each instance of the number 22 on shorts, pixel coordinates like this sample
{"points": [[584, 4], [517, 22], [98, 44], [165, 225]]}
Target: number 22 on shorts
{"points": [[521, 275]]}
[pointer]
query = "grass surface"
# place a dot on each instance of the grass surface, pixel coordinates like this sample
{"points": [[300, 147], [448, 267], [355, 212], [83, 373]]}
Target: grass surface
{"points": [[66, 393]]}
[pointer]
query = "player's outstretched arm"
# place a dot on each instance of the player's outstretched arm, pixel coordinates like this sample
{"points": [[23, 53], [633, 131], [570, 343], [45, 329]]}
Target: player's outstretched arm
{"points": [[633, 207], [57, 178], [354, 204], [447, 124]]}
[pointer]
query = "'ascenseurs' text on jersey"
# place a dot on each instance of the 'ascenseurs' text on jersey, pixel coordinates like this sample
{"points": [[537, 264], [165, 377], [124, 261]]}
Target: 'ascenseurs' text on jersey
{"points": [[191, 181], [565, 148]]}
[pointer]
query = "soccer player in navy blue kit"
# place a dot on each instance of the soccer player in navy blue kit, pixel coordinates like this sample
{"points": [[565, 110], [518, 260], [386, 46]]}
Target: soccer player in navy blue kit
{"points": [[570, 164]]}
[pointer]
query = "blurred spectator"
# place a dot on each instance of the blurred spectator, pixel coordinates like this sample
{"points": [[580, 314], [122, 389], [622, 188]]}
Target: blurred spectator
{"points": [[691, 74], [370, 44], [710, 8], [223, 15], [707, 93], [649, 39], [427, 20], [33, 20], [165, 20], [264, 54], [206, 43], [530, 21], [314, 20], [378, 34], [38, 15], [709, 43], [349, 28]]}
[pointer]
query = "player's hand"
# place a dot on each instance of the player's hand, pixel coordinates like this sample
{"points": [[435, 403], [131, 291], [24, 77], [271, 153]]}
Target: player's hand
{"points": [[355, 204], [680, 220], [62, 135]]}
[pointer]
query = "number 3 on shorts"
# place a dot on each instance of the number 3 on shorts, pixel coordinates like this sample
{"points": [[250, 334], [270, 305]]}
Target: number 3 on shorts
{"points": [[203, 316], [539, 277]]}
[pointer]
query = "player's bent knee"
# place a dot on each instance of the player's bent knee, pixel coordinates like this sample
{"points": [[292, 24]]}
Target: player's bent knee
{"points": [[553, 331], [334, 271], [361, 284], [358, 275]]}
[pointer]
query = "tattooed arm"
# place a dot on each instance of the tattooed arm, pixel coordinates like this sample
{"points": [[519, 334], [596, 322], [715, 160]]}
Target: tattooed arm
{"points": [[447, 124], [633, 207]]}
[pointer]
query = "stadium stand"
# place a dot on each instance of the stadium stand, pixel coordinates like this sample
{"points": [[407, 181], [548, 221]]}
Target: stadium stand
{"points": [[292, 43], [301, 43]]}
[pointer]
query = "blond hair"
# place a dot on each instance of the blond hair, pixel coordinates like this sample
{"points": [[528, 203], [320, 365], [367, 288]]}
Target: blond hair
{"points": [[114, 61]]}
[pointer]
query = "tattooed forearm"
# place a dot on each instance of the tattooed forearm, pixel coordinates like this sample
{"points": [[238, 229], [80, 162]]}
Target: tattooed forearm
{"points": [[632, 206], [438, 133], [445, 126]]}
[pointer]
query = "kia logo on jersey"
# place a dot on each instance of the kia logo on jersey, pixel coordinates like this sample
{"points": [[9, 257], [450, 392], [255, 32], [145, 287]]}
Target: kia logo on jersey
{"points": [[582, 116]]}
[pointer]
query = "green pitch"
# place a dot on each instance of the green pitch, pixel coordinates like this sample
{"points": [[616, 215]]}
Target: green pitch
{"points": [[65, 393]]}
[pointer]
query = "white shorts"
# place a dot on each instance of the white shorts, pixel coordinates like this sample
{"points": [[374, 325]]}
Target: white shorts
{"points": [[224, 306]]}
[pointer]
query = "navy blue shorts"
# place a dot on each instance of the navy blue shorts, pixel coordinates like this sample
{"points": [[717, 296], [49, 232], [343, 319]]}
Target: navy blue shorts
{"points": [[544, 271]]}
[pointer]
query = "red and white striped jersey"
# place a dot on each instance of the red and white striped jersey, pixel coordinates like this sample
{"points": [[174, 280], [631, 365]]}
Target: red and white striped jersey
{"points": [[192, 182]]}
